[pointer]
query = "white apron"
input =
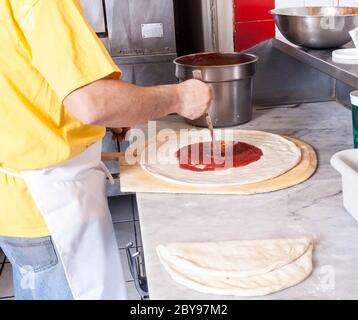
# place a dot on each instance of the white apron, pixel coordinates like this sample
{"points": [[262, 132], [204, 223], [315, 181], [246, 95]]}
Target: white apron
{"points": [[72, 199]]}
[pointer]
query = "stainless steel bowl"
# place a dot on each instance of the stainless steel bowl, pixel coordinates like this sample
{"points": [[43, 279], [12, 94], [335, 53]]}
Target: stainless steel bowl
{"points": [[230, 75], [317, 27]]}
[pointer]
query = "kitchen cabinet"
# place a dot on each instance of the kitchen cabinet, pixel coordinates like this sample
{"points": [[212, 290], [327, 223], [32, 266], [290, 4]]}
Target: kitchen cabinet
{"points": [[141, 27], [253, 22], [249, 34], [248, 10]]}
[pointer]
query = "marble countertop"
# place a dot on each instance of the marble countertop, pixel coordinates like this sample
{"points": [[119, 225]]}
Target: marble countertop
{"points": [[313, 208]]}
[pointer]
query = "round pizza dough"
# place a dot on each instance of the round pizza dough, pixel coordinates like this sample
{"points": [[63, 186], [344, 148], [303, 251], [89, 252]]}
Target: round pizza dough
{"points": [[239, 268], [279, 156]]}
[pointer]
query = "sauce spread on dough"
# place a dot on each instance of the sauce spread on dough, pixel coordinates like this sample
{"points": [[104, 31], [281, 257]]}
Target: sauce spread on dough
{"points": [[202, 157]]}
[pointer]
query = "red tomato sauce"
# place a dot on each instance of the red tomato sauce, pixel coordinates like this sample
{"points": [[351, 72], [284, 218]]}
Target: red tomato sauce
{"points": [[202, 157]]}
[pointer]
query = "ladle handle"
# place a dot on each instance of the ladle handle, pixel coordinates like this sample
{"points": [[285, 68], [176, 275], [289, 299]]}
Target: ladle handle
{"points": [[197, 74]]}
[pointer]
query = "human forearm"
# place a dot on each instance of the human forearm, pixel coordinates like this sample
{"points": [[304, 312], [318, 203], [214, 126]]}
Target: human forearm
{"points": [[114, 103]]}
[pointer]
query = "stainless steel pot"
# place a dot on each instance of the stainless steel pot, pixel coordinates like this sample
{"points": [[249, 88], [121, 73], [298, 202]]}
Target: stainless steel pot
{"points": [[317, 27], [230, 75]]}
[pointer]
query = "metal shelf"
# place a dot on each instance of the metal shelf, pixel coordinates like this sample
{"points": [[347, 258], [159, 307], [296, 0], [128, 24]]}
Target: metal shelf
{"points": [[321, 60]]}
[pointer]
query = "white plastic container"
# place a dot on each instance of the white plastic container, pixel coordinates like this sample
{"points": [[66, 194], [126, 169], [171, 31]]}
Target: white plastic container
{"points": [[346, 163]]}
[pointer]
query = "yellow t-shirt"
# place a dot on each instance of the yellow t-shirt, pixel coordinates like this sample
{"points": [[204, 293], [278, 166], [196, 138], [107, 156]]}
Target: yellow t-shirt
{"points": [[47, 50]]}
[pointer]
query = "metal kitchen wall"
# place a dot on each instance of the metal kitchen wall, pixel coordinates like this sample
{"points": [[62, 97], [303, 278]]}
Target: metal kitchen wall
{"points": [[139, 34]]}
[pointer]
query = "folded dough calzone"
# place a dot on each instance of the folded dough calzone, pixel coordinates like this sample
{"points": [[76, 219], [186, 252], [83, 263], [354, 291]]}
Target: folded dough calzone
{"points": [[240, 268]]}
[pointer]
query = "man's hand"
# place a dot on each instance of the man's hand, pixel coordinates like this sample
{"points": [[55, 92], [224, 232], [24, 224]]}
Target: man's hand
{"points": [[195, 97]]}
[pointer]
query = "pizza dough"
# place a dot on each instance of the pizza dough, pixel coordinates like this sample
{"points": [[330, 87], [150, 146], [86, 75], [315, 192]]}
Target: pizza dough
{"points": [[239, 268], [279, 156]]}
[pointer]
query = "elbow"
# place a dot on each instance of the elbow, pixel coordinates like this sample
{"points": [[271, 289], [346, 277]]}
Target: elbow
{"points": [[90, 117], [84, 108]]}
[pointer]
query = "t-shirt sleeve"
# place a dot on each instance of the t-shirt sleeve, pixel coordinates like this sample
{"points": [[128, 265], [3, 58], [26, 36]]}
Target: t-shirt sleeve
{"points": [[63, 46]]}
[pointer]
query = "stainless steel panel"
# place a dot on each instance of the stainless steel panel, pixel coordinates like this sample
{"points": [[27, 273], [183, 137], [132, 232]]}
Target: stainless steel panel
{"points": [[145, 59], [281, 79], [154, 74], [94, 11], [147, 70], [127, 73], [125, 20]]}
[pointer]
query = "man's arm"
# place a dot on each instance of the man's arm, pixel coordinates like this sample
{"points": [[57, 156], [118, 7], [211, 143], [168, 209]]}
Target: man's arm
{"points": [[113, 103]]}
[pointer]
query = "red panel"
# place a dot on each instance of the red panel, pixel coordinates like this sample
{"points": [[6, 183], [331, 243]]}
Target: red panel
{"points": [[248, 34], [250, 10]]}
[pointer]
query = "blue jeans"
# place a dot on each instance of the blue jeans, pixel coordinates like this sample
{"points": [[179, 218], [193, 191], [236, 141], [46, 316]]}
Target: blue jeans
{"points": [[38, 273]]}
